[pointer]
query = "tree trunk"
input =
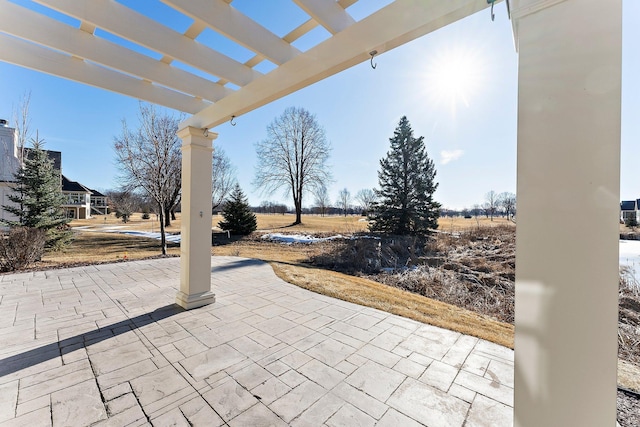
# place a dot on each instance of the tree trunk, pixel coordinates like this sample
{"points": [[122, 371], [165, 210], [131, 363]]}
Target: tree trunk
{"points": [[173, 214], [297, 203], [298, 206], [167, 217], [163, 237]]}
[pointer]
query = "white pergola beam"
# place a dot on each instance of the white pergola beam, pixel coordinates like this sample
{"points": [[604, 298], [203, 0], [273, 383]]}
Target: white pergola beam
{"points": [[137, 28], [230, 22], [29, 55], [48, 32], [327, 13], [386, 29]]}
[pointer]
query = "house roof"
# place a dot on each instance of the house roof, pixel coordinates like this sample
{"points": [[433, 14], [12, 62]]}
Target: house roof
{"points": [[628, 205], [68, 185], [55, 156], [96, 193]]}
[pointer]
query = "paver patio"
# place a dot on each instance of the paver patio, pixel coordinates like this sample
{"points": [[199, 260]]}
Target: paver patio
{"points": [[105, 345]]}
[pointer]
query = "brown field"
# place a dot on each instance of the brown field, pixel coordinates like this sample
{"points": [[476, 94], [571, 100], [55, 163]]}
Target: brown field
{"points": [[282, 223], [459, 223]]}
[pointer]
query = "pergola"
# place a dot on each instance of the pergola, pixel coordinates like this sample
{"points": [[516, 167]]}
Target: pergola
{"points": [[569, 104]]}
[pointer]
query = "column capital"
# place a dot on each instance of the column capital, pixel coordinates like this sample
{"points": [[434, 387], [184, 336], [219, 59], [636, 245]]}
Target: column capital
{"points": [[192, 132], [523, 8]]}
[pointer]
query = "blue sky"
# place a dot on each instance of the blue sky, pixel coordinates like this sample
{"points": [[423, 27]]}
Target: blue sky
{"points": [[468, 120]]}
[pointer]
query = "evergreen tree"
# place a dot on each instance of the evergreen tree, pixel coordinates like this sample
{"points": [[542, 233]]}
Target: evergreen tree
{"points": [[238, 217], [37, 199], [406, 178]]}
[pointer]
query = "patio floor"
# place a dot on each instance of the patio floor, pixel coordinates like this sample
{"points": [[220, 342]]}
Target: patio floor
{"points": [[105, 345]]}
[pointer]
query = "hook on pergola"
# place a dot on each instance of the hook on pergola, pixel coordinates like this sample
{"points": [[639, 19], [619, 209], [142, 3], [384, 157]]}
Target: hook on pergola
{"points": [[373, 53], [493, 15]]}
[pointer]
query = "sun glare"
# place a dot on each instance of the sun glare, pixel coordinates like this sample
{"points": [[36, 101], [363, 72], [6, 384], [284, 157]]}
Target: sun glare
{"points": [[453, 77]]}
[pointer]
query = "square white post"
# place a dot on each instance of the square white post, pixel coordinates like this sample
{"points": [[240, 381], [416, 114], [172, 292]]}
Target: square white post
{"points": [[195, 239], [569, 103]]}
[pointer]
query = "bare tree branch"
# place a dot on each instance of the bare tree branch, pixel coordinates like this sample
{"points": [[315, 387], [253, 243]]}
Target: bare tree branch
{"points": [[22, 123], [508, 203], [293, 156], [366, 197], [150, 159], [224, 178], [344, 200], [322, 199]]}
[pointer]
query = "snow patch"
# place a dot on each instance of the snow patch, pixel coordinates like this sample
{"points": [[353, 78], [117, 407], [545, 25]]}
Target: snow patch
{"points": [[298, 238], [305, 238], [173, 238]]}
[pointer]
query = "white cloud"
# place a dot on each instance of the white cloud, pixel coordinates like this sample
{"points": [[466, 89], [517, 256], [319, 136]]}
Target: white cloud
{"points": [[449, 156]]}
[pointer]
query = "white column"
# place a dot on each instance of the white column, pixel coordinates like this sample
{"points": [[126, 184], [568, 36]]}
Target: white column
{"points": [[569, 94], [195, 244]]}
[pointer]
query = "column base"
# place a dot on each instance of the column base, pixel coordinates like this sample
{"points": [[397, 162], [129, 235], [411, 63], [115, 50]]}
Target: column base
{"points": [[194, 300]]}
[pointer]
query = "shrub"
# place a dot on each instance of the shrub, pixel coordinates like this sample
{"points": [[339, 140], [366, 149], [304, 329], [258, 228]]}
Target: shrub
{"points": [[238, 218], [21, 247], [145, 215], [631, 222]]}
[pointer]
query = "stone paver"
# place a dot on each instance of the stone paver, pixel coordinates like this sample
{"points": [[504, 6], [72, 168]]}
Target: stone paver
{"points": [[79, 402], [376, 380], [428, 405], [106, 346]]}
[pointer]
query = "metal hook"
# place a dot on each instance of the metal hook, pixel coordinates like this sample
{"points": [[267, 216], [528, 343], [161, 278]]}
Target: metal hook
{"points": [[493, 15], [373, 53], [205, 132], [231, 121]]}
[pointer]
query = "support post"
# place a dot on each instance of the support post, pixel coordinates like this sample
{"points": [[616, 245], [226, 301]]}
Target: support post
{"points": [[569, 104], [195, 240]]}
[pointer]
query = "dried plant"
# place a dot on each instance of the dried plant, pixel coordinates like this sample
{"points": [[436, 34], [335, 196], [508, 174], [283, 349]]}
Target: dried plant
{"points": [[21, 247]]}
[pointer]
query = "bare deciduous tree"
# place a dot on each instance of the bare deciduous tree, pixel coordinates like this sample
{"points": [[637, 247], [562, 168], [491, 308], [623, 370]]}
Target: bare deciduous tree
{"points": [[344, 200], [366, 197], [508, 203], [22, 123], [224, 178], [123, 203], [476, 210], [491, 203], [322, 199], [149, 158], [293, 156]]}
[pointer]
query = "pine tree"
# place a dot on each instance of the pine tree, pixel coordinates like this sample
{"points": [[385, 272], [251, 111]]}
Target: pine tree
{"points": [[37, 199], [238, 217], [406, 179]]}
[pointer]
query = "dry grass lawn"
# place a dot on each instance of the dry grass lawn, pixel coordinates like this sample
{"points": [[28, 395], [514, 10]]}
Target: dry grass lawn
{"points": [[459, 223], [96, 247], [275, 223]]}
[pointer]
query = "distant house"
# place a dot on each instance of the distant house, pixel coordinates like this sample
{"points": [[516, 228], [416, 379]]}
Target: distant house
{"points": [[80, 201], [99, 203], [77, 199], [630, 209], [8, 165]]}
